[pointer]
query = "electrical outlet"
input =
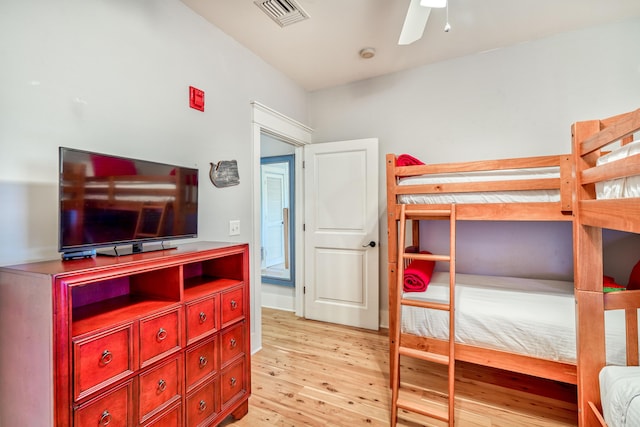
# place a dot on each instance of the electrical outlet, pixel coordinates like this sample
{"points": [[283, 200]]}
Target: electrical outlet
{"points": [[234, 227]]}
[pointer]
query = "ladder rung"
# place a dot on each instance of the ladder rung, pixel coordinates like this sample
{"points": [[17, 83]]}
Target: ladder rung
{"points": [[425, 304], [409, 213], [426, 257], [418, 408], [424, 355]]}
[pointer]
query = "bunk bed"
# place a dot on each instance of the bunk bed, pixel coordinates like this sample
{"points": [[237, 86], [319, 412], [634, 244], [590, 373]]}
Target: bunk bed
{"points": [[521, 189], [544, 194], [607, 170]]}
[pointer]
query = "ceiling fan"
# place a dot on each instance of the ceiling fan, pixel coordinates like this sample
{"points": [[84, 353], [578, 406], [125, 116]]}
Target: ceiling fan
{"points": [[416, 19]]}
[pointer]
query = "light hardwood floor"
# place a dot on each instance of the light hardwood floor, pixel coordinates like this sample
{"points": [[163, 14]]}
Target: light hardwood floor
{"points": [[318, 374]]}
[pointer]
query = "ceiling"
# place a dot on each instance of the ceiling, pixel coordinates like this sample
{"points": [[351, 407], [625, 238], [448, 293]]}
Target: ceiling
{"points": [[323, 50]]}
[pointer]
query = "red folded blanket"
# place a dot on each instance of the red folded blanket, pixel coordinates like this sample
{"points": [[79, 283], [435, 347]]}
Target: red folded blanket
{"points": [[407, 160], [609, 285], [417, 275]]}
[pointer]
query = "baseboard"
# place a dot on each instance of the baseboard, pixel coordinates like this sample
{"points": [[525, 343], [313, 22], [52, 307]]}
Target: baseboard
{"points": [[278, 297]]}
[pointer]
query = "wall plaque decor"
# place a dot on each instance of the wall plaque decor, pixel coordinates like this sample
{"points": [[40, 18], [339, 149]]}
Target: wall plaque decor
{"points": [[224, 173]]}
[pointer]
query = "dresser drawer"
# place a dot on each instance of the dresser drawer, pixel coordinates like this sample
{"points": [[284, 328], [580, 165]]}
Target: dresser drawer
{"points": [[201, 361], [202, 318], [113, 409], [232, 382], [159, 336], [232, 305], [232, 343], [202, 403], [159, 387], [171, 417], [102, 359]]}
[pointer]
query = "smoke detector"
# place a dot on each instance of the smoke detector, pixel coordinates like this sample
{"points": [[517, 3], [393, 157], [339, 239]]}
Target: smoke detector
{"points": [[367, 53], [283, 12]]}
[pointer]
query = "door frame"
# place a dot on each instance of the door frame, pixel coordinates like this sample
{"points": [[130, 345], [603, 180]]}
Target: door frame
{"points": [[289, 159], [268, 121]]}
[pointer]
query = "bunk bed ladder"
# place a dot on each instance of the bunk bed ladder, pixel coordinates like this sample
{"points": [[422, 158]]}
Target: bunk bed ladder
{"points": [[397, 401]]}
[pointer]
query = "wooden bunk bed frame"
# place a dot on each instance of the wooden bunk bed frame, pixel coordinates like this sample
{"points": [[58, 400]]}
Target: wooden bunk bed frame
{"points": [[590, 139], [534, 211]]}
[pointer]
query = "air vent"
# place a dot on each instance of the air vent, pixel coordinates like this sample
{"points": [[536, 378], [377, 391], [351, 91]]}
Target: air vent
{"points": [[283, 12]]}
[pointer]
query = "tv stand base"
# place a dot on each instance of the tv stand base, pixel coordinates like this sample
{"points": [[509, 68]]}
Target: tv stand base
{"points": [[136, 248]]}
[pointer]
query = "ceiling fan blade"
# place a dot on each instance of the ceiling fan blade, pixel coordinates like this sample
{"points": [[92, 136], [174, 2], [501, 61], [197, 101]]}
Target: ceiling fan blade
{"points": [[414, 23]]}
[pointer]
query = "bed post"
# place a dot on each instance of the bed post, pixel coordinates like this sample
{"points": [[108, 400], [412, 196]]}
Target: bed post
{"points": [[587, 265], [392, 251]]}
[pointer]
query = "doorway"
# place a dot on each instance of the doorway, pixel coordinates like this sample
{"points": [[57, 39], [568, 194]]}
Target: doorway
{"points": [[278, 220], [269, 124]]}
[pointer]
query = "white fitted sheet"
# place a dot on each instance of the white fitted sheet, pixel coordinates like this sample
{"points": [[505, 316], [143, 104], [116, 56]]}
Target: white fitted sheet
{"points": [[620, 395], [620, 188], [483, 197], [526, 316]]}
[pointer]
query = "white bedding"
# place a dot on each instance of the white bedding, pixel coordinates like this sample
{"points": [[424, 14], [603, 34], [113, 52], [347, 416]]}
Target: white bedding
{"points": [[620, 395], [483, 197], [525, 316], [623, 187]]}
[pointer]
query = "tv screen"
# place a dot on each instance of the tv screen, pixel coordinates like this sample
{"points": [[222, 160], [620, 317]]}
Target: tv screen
{"points": [[108, 201]]}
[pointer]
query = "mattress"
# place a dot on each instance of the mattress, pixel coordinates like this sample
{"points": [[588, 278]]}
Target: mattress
{"points": [[518, 196], [620, 188], [531, 317], [620, 395]]}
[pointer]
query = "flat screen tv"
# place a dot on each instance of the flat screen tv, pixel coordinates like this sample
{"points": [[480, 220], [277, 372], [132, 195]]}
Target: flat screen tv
{"points": [[109, 201]]}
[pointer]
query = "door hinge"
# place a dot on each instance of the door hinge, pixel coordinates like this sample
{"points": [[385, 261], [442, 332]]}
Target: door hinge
{"points": [[304, 227], [303, 164], [304, 289]]}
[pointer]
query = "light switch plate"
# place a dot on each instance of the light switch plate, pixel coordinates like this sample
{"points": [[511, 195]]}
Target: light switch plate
{"points": [[234, 227]]}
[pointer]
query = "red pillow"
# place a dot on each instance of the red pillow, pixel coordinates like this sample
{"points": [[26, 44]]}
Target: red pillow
{"points": [[634, 278], [407, 160]]}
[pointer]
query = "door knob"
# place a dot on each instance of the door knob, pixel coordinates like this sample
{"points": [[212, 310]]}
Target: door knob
{"points": [[371, 243]]}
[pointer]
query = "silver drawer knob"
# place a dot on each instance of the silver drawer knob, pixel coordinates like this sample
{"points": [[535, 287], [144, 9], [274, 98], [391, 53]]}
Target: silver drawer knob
{"points": [[203, 317], [106, 357], [203, 361], [202, 406], [162, 385], [105, 419], [161, 335]]}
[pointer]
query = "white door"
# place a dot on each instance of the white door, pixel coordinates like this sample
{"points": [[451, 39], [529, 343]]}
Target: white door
{"points": [[341, 221], [273, 204]]}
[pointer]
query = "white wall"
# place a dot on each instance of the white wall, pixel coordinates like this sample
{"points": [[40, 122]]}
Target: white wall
{"points": [[517, 101], [270, 147], [113, 76]]}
